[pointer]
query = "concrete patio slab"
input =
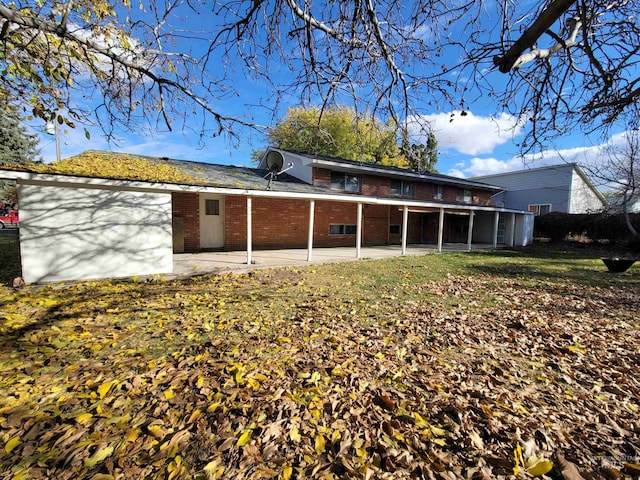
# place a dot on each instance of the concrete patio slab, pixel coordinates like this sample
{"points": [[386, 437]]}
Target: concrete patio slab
{"points": [[189, 264]]}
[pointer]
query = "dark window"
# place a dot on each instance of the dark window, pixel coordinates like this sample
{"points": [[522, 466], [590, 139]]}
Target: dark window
{"points": [[341, 229], [439, 194], [402, 188], [211, 207], [464, 196], [344, 181], [394, 229], [349, 229]]}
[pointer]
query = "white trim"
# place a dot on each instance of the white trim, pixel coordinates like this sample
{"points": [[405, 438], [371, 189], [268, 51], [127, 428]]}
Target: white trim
{"points": [[359, 231], [470, 234], [496, 223], [312, 209], [440, 229], [405, 228], [249, 232]]}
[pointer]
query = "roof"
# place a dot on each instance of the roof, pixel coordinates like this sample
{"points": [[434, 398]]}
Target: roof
{"points": [[124, 166], [573, 166], [354, 166]]}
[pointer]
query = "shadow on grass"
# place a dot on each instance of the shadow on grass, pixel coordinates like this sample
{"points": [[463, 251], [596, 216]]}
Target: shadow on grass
{"points": [[563, 262]]}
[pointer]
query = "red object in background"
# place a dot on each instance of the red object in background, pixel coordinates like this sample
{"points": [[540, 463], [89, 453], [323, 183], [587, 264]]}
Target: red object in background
{"points": [[10, 220]]}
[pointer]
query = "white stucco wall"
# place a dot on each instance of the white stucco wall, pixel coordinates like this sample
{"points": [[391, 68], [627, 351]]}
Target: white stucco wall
{"points": [[70, 233], [582, 198]]}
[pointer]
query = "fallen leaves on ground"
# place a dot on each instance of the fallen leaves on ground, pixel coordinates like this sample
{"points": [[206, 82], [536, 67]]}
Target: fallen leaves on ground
{"points": [[305, 374]]}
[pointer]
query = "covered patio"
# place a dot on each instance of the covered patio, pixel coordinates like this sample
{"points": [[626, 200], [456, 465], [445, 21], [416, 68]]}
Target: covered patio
{"points": [[189, 264]]}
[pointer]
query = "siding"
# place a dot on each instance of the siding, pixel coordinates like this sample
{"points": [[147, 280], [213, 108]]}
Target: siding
{"points": [[537, 186]]}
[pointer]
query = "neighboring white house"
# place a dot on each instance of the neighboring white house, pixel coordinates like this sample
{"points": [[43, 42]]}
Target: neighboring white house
{"points": [[557, 188]]}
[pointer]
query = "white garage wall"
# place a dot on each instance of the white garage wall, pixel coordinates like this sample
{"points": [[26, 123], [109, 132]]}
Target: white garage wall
{"points": [[69, 233]]}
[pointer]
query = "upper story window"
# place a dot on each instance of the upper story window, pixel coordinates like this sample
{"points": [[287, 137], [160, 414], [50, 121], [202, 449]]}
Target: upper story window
{"points": [[402, 188], [464, 196], [540, 209], [439, 193], [345, 181]]}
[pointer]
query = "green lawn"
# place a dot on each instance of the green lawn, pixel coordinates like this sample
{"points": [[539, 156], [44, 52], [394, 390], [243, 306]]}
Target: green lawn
{"points": [[443, 366]]}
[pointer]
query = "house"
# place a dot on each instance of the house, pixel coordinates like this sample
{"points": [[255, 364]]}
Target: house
{"points": [[557, 188], [79, 223]]}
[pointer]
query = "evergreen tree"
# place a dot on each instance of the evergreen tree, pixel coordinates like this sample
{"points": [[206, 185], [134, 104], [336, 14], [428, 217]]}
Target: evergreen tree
{"points": [[17, 146], [421, 157]]}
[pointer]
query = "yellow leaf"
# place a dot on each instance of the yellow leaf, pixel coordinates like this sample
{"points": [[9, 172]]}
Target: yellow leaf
{"points": [[102, 476], [132, 435], [244, 438], [439, 432], [335, 436], [294, 434], [440, 441], [213, 407], [538, 466], [214, 470], [576, 349], [286, 472], [99, 456], [83, 417], [168, 394], [320, 444], [11, 444], [105, 387]]}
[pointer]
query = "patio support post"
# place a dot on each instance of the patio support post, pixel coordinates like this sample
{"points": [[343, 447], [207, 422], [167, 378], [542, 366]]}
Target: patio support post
{"points": [[249, 233], [440, 230], [470, 235], [405, 228], [312, 208], [512, 240], [495, 229], [359, 232]]}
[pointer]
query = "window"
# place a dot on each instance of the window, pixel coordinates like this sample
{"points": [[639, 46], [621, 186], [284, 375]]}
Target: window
{"points": [[211, 207], [394, 229], [464, 196], [540, 208], [341, 229], [439, 193], [344, 181], [402, 188]]}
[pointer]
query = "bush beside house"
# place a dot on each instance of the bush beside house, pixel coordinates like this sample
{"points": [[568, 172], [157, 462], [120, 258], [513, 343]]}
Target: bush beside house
{"points": [[596, 227]]}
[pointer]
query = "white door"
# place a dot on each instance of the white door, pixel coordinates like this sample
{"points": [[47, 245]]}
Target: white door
{"points": [[211, 221]]}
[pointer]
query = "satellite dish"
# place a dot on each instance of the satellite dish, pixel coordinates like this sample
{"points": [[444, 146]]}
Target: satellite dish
{"points": [[275, 161]]}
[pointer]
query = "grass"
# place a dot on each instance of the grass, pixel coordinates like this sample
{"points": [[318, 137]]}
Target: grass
{"points": [[372, 369]]}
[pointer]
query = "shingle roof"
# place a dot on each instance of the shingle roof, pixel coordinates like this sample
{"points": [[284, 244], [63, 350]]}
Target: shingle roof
{"points": [[391, 171]]}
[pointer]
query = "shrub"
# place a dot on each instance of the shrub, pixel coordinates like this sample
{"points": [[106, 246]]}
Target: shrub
{"points": [[599, 226]]}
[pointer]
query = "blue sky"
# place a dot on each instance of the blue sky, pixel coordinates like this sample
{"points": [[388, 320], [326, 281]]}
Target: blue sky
{"points": [[482, 142]]}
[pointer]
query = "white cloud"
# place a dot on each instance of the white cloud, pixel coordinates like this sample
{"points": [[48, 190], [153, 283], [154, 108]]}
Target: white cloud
{"points": [[589, 156], [469, 134]]}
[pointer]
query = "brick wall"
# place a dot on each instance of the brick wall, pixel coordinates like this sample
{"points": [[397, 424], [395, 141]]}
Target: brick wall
{"points": [[375, 186], [187, 207], [283, 223], [375, 224], [321, 176]]}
